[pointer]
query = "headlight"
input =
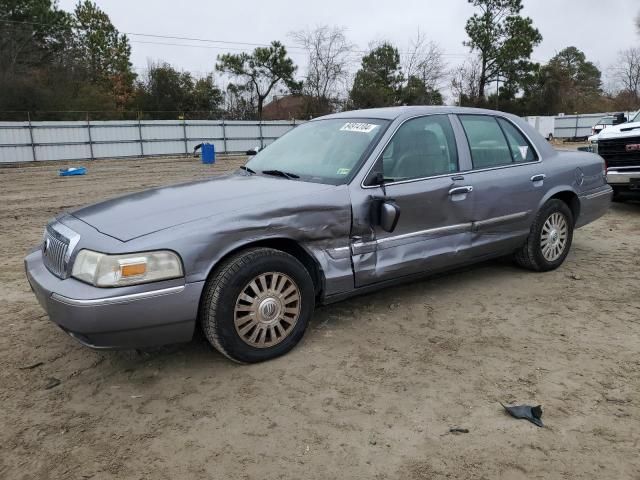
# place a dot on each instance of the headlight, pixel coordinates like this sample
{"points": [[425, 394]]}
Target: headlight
{"points": [[594, 146], [104, 270]]}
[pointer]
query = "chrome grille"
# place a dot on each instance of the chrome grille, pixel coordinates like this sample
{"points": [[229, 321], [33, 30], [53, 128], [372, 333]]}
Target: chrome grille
{"points": [[54, 250], [57, 247]]}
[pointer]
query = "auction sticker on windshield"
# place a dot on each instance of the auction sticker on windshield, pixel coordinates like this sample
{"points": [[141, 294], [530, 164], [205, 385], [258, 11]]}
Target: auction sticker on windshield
{"points": [[358, 127]]}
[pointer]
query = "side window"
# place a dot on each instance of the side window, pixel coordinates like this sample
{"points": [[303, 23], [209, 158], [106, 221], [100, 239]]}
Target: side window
{"points": [[486, 141], [422, 147], [521, 150]]}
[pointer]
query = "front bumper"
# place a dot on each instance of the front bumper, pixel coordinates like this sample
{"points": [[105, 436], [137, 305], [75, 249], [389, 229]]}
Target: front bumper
{"points": [[622, 175], [116, 318]]}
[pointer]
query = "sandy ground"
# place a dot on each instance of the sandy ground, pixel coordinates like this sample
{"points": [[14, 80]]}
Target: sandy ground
{"points": [[370, 393]]}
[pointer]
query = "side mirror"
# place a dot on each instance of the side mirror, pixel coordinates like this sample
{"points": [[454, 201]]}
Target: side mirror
{"points": [[389, 215], [385, 213]]}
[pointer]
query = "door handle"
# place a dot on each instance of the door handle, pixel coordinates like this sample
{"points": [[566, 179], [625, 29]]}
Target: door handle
{"points": [[461, 190], [538, 178]]}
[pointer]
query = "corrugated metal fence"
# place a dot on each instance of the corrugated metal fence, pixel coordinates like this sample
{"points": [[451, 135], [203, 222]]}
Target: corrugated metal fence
{"points": [[38, 141], [577, 126], [569, 126]]}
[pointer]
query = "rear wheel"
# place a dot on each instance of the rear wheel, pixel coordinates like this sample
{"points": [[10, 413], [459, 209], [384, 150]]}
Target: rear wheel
{"points": [[257, 305], [549, 239]]}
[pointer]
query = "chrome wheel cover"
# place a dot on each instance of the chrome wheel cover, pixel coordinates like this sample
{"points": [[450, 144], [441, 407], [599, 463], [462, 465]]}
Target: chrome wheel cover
{"points": [[553, 240], [267, 309]]}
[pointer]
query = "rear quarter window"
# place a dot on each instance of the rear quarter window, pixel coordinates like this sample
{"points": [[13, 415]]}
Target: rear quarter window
{"points": [[521, 149]]}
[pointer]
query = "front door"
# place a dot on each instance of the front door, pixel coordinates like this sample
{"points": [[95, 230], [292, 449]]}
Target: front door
{"points": [[421, 170]]}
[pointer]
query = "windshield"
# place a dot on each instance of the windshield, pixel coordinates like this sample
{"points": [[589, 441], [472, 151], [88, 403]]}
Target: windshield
{"points": [[606, 121], [323, 151], [636, 118]]}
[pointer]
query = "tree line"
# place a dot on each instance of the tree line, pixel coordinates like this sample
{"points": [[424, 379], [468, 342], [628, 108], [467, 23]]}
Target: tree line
{"points": [[56, 62]]}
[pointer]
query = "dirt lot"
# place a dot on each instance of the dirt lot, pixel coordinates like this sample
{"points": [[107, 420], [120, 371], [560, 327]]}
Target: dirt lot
{"points": [[372, 390]]}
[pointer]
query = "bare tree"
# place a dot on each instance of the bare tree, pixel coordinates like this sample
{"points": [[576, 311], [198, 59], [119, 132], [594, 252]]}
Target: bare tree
{"points": [[424, 60], [628, 71], [329, 58], [465, 81]]}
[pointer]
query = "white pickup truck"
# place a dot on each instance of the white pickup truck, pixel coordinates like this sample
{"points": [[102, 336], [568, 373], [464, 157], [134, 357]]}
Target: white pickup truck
{"points": [[619, 145]]}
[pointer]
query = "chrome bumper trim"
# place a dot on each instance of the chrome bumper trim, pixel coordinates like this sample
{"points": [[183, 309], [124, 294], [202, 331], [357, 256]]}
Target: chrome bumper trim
{"points": [[119, 299], [498, 220], [598, 194], [622, 176]]}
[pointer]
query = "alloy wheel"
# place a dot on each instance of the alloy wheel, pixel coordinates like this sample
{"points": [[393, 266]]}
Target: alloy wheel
{"points": [[553, 240]]}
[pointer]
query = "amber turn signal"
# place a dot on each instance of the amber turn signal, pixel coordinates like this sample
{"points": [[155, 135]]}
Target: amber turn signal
{"points": [[133, 269]]}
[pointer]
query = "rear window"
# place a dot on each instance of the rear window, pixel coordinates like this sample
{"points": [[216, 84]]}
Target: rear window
{"points": [[487, 143], [495, 142]]}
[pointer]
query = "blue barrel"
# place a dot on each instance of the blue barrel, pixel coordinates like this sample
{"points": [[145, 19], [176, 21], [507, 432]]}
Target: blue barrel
{"points": [[208, 153]]}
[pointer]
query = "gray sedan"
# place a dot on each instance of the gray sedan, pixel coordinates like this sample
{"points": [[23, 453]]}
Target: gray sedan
{"points": [[341, 205]]}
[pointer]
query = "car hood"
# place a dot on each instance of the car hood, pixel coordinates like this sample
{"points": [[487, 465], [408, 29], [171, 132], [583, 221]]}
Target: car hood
{"points": [[620, 131], [137, 214]]}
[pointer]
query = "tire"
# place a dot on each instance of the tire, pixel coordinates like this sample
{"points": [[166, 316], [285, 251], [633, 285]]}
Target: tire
{"points": [[534, 254], [249, 311]]}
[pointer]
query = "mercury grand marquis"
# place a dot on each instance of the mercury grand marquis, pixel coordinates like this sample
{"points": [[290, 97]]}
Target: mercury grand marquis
{"points": [[341, 205]]}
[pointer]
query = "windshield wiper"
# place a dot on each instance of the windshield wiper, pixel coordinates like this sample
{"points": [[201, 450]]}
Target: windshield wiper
{"points": [[247, 169], [280, 173]]}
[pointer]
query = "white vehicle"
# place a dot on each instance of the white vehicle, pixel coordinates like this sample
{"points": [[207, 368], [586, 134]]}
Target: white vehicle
{"points": [[619, 145], [608, 121]]}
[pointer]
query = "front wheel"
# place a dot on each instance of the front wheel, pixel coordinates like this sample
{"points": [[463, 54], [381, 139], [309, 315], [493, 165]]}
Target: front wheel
{"points": [[549, 239], [257, 305]]}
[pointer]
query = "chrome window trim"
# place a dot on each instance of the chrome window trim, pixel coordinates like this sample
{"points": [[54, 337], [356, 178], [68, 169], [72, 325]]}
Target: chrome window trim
{"points": [[76, 302], [459, 172]]}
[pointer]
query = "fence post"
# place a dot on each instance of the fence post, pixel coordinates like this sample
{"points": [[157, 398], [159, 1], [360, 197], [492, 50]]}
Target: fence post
{"points": [[33, 146], [576, 132], [261, 137], [224, 136], [184, 133], [90, 140], [140, 135]]}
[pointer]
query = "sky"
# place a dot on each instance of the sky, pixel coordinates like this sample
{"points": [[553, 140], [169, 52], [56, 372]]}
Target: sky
{"points": [[600, 28]]}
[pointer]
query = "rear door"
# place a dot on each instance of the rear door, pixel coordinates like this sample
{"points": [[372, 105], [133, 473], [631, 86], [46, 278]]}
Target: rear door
{"points": [[421, 168], [508, 180]]}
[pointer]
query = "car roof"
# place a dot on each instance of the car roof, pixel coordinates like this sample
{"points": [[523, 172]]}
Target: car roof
{"points": [[392, 113]]}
